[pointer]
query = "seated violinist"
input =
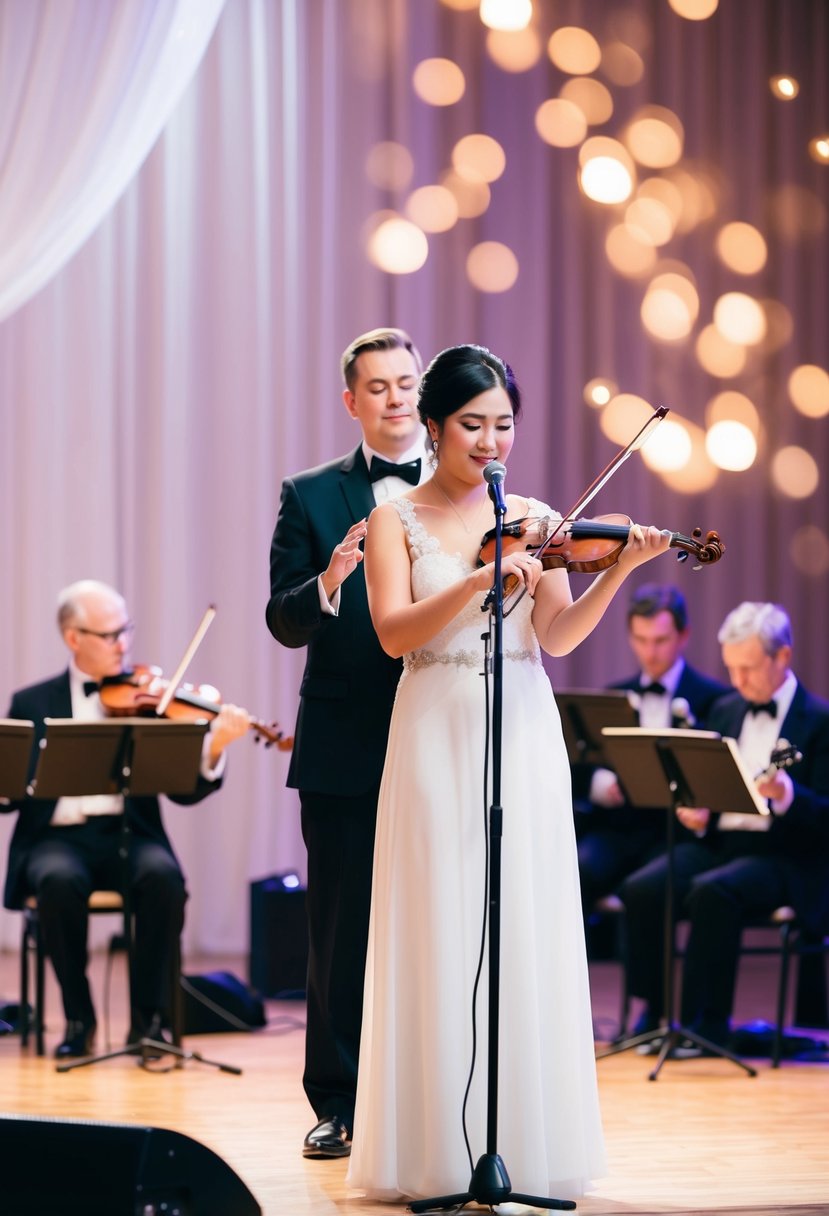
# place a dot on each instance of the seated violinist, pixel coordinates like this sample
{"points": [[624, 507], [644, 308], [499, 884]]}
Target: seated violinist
{"points": [[62, 851]]}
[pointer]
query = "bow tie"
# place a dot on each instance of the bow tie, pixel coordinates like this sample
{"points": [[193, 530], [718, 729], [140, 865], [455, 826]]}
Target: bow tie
{"points": [[90, 686], [764, 707], [656, 688], [409, 470]]}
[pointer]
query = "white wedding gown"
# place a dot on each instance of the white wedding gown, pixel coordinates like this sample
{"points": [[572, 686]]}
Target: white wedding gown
{"points": [[428, 902]]}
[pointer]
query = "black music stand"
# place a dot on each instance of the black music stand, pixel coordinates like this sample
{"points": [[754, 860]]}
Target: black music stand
{"points": [[16, 738], [674, 768], [584, 714], [128, 757]]}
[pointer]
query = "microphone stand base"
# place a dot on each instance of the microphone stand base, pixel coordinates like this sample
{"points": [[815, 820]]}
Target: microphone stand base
{"points": [[489, 1186]]}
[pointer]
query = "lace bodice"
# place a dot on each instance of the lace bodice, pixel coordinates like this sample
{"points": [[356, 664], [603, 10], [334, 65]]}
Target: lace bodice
{"points": [[460, 641]]}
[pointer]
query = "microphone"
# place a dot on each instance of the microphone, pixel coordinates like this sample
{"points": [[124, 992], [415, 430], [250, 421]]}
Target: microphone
{"points": [[494, 474], [681, 710]]}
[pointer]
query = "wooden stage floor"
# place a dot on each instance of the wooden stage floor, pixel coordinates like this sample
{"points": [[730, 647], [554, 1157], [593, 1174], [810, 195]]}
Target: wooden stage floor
{"points": [[704, 1137]]}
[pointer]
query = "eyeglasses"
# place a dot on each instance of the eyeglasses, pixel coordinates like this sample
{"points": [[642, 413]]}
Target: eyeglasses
{"points": [[113, 635]]}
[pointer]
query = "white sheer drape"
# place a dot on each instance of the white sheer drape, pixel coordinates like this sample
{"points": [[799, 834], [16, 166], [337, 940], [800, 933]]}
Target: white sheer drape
{"points": [[155, 392], [87, 85]]}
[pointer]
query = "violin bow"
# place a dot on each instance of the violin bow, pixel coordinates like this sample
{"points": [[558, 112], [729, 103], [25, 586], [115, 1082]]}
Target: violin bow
{"points": [[639, 439], [195, 642]]}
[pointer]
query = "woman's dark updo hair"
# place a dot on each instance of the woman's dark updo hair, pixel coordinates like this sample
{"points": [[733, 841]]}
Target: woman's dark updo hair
{"points": [[457, 375]]}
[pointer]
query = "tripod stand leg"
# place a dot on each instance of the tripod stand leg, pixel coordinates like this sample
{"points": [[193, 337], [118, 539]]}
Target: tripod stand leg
{"points": [[150, 1049]]}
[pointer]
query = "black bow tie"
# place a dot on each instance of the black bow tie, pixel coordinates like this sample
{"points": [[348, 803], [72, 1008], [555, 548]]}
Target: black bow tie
{"points": [[656, 688], [90, 686], [409, 471], [764, 707]]}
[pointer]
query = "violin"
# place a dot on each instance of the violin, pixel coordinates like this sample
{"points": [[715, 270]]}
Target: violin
{"points": [[588, 545], [140, 691]]}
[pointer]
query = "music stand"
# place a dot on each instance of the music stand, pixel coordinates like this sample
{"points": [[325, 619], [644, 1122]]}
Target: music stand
{"points": [[584, 714], [16, 738], [128, 757], [674, 768]]}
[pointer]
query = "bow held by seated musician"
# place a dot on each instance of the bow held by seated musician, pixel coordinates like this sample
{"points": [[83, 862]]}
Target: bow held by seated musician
{"points": [[62, 850]]}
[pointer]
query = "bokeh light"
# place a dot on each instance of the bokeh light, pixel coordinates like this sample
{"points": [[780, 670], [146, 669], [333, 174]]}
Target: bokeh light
{"points": [[731, 406], [591, 96], [699, 192], [491, 266], [438, 82], [809, 550], [740, 318], [779, 326], [668, 448], [809, 390], [621, 64], [461, 6], [697, 475], [479, 158], [624, 416], [741, 247], [694, 10], [560, 123], [731, 445], [506, 14], [398, 246], [627, 254], [717, 355], [432, 208], [514, 50], [786, 88], [794, 472], [607, 174], [819, 149], [655, 137], [671, 306], [649, 220], [598, 392], [389, 165], [472, 197], [574, 50]]}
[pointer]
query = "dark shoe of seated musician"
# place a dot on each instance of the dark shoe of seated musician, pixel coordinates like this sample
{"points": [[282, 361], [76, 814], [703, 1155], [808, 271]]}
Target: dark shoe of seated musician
{"points": [[78, 1040], [148, 1026], [329, 1138]]}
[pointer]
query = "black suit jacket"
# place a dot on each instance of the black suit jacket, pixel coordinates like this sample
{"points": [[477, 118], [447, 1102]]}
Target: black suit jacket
{"points": [[349, 682], [52, 699], [801, 836]]}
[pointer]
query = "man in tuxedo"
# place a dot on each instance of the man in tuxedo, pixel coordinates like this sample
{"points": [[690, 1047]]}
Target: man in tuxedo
{"points": [[736, 868], [615, 838], [318, 600], [62, 850]]}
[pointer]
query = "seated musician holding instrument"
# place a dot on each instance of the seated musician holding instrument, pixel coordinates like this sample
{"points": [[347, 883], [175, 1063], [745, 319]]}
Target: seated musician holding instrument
{"points": [[61, 851], [738, 868], [614, 838]]}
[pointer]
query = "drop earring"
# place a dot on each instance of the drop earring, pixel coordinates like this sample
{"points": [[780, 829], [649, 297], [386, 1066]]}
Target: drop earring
{"points": [[433, 455]]}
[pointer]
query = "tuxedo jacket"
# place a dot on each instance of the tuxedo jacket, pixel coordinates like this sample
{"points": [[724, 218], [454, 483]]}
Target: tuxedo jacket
{"points": [[698, 690], [52, 699], [801, 836], [349, 682]]}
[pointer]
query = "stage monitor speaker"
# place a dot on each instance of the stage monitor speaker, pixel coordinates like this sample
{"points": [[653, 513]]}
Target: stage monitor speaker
{"points": [[278, 937], [75, 1167]]}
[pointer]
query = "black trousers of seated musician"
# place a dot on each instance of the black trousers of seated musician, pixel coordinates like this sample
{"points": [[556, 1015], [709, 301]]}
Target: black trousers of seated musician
{"points": [[720, 884], [62, 871]]}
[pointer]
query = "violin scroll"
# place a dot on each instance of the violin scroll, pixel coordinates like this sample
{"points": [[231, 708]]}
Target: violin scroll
{"points": [[706, 553]]}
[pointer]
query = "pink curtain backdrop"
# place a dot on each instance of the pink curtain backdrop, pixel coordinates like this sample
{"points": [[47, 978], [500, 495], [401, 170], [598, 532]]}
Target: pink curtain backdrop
{"points": [[158, 387]]}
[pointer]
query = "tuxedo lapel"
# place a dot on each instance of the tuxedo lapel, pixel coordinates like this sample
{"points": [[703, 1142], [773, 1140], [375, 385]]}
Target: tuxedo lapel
{"points": [[356, 486]]}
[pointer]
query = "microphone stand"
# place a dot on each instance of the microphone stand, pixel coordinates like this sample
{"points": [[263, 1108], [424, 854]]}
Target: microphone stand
{"points": [[490, 1183]]}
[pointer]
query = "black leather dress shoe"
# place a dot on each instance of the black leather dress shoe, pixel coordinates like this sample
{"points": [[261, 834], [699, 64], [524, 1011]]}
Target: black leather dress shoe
{"points": [[330, 1138], [78, 1039]]}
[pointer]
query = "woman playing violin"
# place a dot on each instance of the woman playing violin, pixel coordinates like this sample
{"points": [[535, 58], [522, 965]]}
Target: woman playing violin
{"points": [[62, 850], [426, 588]]}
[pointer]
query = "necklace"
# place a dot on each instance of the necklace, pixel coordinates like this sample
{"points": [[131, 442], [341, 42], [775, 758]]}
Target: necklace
{"points": [[467, 527]]}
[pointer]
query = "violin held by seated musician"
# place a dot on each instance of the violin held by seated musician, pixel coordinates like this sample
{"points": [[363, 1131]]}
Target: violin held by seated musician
{"points": [[141, 690]]}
